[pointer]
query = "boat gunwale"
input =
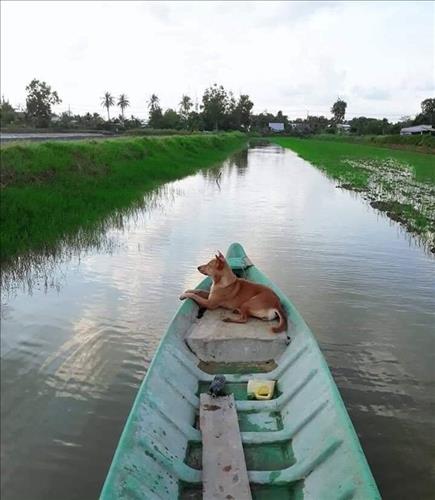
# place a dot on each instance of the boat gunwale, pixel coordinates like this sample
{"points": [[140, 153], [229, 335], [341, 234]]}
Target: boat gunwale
{"points": [[312, 345]]}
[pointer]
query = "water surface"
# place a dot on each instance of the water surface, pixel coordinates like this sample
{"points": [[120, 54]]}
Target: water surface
{"points": [[47, 136], [75, 349]]}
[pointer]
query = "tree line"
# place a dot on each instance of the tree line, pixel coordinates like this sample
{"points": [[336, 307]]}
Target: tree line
{"points": [[219, 110]]}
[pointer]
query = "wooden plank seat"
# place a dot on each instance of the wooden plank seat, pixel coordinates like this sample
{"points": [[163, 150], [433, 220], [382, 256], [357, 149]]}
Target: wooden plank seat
{"points": [[224, 473]]}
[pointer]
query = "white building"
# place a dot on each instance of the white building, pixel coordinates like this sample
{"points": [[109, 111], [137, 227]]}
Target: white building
{"points": [[276, 127], [343, 128], [417, 129]]}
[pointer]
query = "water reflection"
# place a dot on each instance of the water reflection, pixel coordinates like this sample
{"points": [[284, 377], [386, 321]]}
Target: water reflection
{"points": [[74, 355], [238, 163], [45, 269]]}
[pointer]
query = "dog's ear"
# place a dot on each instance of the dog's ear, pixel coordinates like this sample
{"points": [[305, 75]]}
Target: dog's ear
{"points": [[220, 261]]}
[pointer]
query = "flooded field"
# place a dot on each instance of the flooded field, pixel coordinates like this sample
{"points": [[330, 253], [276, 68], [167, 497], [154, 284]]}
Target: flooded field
{"points": [[400, 184], [392, 188], [80, 325]]}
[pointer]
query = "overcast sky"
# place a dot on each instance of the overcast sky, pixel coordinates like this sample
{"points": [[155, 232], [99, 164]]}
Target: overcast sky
{"points": [[293, 56]]}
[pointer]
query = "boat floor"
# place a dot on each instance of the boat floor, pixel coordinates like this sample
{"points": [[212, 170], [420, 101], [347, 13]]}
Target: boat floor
{"points": [[213, 340]]}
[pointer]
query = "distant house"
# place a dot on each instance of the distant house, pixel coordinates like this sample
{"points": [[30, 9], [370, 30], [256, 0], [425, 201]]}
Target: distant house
{"points": [[296, 125], [276, 127], [343, 128], [417, 129], [20, 114], [300, 128]]}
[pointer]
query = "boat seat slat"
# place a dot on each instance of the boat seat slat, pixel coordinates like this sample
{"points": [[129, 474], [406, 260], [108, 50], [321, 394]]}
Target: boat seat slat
{"points": [[224, 471]]}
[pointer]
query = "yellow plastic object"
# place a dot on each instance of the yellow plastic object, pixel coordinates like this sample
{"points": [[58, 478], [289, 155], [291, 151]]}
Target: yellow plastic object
{"points": [[260, 389]]}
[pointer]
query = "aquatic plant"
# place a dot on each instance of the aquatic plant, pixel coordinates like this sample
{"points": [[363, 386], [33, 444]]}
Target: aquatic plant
{"points": [[401, 184]]}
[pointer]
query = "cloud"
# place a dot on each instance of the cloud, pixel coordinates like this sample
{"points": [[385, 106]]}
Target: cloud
{"points": [[77, 50], [288, 13], [285, 55], [160, 10], [371, 93], [426, 86]]}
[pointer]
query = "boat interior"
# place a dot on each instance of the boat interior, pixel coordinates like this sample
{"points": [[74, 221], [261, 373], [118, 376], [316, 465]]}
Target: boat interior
{"points": [[299, 444]]}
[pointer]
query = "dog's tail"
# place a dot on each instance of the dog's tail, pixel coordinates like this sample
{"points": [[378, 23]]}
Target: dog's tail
{"points": [[282, 325]]}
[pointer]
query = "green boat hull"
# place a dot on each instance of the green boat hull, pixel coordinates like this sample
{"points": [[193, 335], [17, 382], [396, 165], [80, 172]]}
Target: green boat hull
{"points": [[301, 444]]}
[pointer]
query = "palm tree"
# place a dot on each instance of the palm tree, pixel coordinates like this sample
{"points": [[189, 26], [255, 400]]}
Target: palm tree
{"points": [[185, 107], [123, 103], [153, 103], [107, 101]]}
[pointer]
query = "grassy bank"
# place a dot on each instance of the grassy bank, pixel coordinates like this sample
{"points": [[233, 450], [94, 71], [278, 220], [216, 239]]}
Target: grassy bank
{"points": [[399, 183], [51, 190], [420, 143], [158, 131]]}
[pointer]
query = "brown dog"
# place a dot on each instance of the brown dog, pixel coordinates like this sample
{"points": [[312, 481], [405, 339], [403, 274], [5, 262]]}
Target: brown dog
{"points": [[239, 295]]}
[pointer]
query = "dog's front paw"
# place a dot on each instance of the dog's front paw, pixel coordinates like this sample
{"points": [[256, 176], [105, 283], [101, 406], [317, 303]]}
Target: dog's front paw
{"points": [[183, 296]]}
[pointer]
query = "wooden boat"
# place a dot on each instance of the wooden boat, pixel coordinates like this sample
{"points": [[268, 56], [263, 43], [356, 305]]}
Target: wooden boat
{"points": [[300, 444]]}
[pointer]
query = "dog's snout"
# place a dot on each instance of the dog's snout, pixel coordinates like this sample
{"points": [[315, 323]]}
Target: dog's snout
{"points": [[202, 270]]}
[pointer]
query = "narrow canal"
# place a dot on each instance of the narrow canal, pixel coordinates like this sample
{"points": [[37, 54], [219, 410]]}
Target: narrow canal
{"points": [[79, 332]]}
